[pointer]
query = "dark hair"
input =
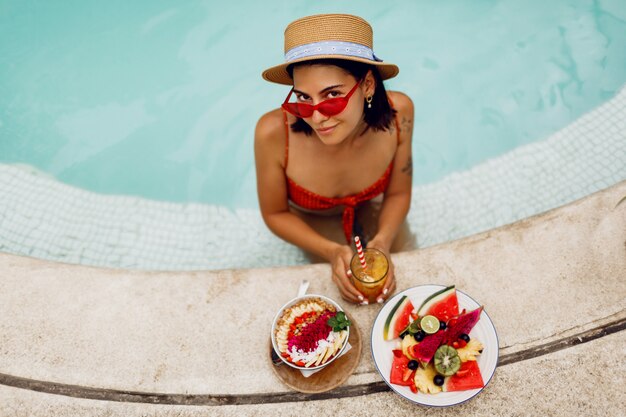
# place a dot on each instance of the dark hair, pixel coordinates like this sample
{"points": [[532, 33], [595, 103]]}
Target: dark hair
{"points": [[379, 117]]}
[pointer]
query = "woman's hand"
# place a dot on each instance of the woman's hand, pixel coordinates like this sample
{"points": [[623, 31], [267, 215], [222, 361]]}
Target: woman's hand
{"points": [[340, 264], [390, 283]]}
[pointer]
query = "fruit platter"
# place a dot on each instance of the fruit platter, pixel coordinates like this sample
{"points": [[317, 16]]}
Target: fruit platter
{"points": [[434, 345]]}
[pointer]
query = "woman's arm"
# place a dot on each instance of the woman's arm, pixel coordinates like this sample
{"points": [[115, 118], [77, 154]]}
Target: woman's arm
{"points": [[398, 195], [269, 151]]}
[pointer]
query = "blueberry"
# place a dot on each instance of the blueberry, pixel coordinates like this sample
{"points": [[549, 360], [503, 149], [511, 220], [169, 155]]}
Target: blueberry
{"points": [[464, 337], [438, 380], [442, 325], [419, 336], [412, 365]]}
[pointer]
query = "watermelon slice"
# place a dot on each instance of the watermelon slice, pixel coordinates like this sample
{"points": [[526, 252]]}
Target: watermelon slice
{"points": [[398, 318], [398, 368], [464, 324], [442, 304], [468, 377], [425, 350]]}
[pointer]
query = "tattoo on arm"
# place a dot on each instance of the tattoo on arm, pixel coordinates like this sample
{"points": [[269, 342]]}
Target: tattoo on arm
{"points": [[408, 167], [406, 125]]}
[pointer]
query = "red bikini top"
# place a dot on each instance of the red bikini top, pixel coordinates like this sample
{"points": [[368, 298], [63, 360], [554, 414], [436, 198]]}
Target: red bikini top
{"points": [[312, 201]]}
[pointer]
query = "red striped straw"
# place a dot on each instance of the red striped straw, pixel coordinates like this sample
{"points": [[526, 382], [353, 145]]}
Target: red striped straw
{"points": [[359, 250]]}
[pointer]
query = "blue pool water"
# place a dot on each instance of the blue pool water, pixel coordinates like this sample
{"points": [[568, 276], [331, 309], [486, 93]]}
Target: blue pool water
{"points": [[159, 99]]}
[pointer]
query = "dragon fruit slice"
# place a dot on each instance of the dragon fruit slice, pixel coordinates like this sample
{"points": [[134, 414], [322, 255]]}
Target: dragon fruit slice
{"points": [[464, 324], [425, 350]]}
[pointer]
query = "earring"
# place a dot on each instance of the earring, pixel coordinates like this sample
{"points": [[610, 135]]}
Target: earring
{"points": [[369, 102]]}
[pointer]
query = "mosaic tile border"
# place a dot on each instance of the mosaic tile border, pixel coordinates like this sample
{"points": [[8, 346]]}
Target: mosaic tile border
{"points": [[44, 218]]}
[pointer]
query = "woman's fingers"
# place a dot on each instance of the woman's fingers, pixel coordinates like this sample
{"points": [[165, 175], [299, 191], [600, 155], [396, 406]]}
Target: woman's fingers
{"points": [[352, 290], [391, 279], [383, 296], [340, 276], [392, 289], [389, 286], [349, 283], [345, 293]]}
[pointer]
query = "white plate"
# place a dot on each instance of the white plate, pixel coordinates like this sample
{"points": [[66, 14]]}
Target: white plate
{"points": [[484, 331]]}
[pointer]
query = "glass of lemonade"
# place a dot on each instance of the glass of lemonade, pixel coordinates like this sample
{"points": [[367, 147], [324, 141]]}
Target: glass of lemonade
{"points": [[370, 281]]}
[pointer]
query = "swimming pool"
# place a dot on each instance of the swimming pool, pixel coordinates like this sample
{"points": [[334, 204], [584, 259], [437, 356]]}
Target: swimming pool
{"points": [[160, 101], [143, 116]]}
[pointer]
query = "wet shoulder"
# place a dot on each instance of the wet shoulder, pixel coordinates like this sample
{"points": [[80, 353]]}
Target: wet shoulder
{"points": [[270, 125], [402, 103], [269, 134], [404, 116]]}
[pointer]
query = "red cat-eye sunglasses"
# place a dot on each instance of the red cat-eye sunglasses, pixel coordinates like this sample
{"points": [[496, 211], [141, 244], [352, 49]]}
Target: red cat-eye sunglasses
{"points": [[330, 107]]}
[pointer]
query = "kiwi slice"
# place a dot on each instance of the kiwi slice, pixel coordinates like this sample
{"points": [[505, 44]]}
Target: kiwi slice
{"points": [[414, 327], [447, 361]]}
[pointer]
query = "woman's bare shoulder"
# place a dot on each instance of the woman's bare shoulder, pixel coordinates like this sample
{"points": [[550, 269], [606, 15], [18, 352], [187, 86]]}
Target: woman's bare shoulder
{"points": [[269, 136], [401, 102], [270, 126], [404, 107]]}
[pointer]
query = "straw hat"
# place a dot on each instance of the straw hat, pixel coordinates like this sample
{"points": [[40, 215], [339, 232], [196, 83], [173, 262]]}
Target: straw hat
{"points": [[339, 36]]}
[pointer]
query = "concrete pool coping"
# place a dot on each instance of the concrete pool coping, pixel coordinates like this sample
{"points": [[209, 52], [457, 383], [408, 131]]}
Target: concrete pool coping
{"points": [[77, 339]]}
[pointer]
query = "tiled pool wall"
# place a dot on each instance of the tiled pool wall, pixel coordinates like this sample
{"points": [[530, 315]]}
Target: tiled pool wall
{"points": [[44, 218]]}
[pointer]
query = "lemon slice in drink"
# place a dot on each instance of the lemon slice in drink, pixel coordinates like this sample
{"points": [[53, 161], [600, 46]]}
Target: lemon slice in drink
{"points": [[429, 324]]}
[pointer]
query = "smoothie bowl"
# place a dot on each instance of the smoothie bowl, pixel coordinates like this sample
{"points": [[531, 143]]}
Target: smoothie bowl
{"points": [[310, 332]]}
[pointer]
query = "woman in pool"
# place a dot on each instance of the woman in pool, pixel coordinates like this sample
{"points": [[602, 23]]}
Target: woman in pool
{"points": [[338, 146]]}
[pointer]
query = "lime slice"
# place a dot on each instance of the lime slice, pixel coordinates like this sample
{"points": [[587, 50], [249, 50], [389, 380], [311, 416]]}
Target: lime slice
{"points": [[430, 324]]}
